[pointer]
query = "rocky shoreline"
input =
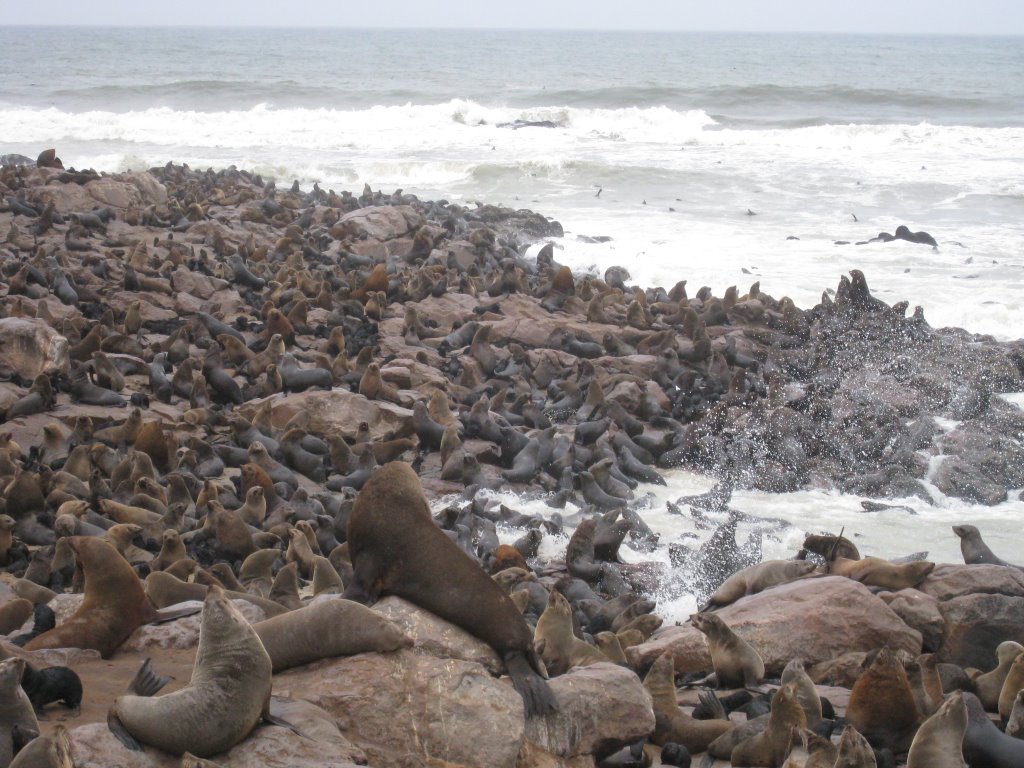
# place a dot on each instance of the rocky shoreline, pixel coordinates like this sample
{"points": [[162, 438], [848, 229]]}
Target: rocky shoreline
{"points": [[197, 366]]}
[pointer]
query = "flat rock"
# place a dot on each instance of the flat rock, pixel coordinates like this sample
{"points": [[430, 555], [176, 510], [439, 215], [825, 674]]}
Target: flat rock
{"points": [[815, 619], [951, 580]]}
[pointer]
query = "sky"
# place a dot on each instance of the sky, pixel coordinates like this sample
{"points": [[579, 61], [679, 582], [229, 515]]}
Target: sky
{"points": [[1005, 17]]}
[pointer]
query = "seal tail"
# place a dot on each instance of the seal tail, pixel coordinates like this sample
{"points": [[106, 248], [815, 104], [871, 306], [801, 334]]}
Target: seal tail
{"points": [[537, 696], [146, 682]]}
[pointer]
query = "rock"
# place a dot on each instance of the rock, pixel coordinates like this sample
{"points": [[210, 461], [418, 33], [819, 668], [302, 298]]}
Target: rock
{"points": [[436, 636], [949, 580], [842, 670], [532, 756], [921, 612], [116, 194], [64, 605], [94, 746], [406, 708], [197, 284], [31, 347], [339, 412], [183, 632], [152, 191], [815, 619], [976, 624], [600, 708], [379, 222], [959, 478]]}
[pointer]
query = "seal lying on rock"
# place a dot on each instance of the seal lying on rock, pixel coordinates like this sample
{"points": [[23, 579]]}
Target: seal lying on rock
{"points": [[396, 549]]}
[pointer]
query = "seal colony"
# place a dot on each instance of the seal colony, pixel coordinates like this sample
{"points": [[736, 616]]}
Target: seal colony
{"points": [[216, 390]]}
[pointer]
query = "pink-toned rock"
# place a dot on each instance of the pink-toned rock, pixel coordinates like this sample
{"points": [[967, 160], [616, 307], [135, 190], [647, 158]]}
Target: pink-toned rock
{"points": [[383, 222], [600, 707], [814, 619], [406, 708], [31, 347], [948, 580], [921, 612], [197, 284], [437, 637], [339, 412], [151, 190], [116, 194]]}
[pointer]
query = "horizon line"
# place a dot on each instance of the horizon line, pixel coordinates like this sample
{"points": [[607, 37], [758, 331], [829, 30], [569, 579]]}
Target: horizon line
{"points": [[481, 28]]}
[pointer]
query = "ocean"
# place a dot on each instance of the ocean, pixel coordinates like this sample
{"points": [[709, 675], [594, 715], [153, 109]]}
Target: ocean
{"points": [[722, 159]]}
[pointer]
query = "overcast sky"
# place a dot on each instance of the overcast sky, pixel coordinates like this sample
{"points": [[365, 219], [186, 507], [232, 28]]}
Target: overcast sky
{"points": [[894, 16]]}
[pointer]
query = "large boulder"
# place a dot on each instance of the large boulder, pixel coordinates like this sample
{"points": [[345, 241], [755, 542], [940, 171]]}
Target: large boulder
{"points": [[31, 347], [599, 708], [921, 612], [814, 619], [406, 708], [949, 580], [382, 222], [114, 194], [976, 624], [339, 412]]}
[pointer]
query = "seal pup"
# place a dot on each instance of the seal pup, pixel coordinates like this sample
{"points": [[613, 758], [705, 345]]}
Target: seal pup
{"points": [[228, 694], [736, 663], [397, 549], [937, 743]]}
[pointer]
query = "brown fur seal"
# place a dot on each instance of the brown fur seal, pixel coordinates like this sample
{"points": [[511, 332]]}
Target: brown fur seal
{"points": [[115, 604], [806, 692], [164, 589], [831, 547], [15, 707], [937, 743], [736, 663], [854, 750], [988, 686], [769, 748], [882, 705], [1013, 683], [228, 694], [46, 752], [13, 614], [758, 578], [554, 640], [876, 572], [671, 724], [397, 549], [326, 628]]}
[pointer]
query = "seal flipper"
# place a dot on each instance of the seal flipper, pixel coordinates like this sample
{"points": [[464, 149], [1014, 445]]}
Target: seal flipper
{"points": [[121, 733], [170, 614], [146, 682], [712, 705], [271, 719], [537, 696]]}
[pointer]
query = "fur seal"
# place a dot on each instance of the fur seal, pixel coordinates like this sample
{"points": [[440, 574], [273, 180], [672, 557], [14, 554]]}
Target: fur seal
{"points": [[671, 724], [15, 707], [326, 628], [13, 614], [974, 550], [882, 705], [1013, 683], [228, 694], [854, 750], [1015, 722], [554, 640], [769, 748], [876, 572], [985, 746], [114, 606], [736, 663], [758, 578], [937, 743], [397, 549], [46, 752], [988, 686]]}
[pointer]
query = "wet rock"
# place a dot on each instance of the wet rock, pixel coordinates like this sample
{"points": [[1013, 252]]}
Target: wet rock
{"points": [[959, 478], [815, 619]]}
